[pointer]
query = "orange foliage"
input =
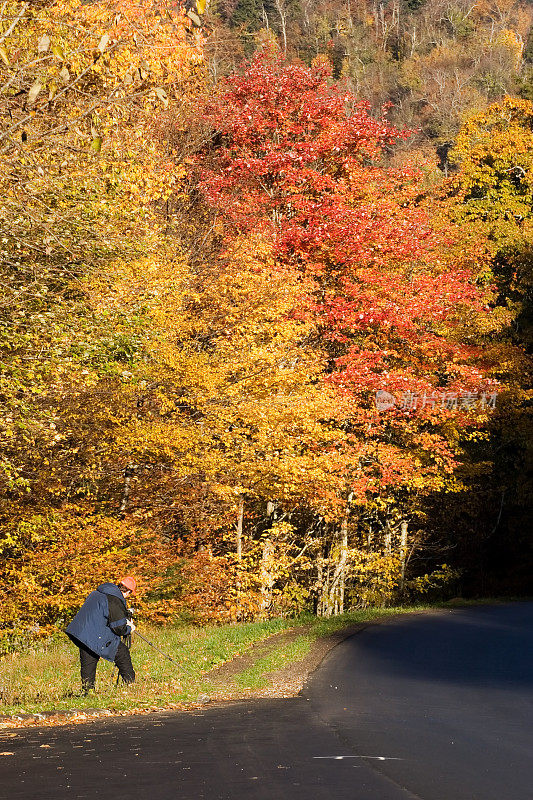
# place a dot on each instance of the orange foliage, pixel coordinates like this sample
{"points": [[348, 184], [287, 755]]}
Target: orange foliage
{"points": [[54, 559]]}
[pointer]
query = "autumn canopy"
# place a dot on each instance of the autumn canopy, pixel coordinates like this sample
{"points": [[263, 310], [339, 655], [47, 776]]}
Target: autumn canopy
{"points": [[258, 348]]}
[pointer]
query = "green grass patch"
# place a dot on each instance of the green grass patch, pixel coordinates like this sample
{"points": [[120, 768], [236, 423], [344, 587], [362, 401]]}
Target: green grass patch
{"points": [[47, 678], [322, 626], [256, 676]]}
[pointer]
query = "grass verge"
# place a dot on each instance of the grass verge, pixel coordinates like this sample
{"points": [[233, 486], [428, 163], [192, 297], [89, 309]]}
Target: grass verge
{"points": [[47, 678]]}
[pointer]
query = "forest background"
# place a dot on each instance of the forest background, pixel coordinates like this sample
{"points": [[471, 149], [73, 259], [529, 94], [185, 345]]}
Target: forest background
{"points": [[224, 231]]}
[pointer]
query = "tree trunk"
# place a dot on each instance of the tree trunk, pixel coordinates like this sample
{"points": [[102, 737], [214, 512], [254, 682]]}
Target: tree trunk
{"points": [[343, 562], [320, 588], [325, 590], [325, 604], [370, 537], [332, 598], [339, 575], [128, 472], [240, 517], [282, 11], [403, 553], [267, 577], [265, 17], [388, 540]]}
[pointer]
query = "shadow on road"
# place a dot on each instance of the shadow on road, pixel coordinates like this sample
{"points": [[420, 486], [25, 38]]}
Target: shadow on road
{"points": [[490, 646]]}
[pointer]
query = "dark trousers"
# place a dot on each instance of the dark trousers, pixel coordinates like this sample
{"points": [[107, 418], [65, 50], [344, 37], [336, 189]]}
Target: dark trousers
{"points": [[89, 660]]}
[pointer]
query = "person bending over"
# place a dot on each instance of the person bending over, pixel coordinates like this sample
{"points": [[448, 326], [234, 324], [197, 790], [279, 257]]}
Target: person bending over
{"points": [[98, 627]]}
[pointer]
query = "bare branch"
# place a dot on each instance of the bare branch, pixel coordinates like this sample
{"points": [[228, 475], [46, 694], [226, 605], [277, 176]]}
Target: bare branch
{"points": [[14, 23]]}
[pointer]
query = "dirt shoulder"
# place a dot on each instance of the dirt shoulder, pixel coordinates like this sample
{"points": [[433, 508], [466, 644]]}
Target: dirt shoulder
{"points": [[287, 681]]}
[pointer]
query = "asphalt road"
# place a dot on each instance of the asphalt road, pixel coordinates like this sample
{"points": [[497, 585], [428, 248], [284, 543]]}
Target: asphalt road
{"points": [[434, 707]]}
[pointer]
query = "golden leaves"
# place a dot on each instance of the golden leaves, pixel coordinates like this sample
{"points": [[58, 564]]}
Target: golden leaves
{"points": [[58, 51]]}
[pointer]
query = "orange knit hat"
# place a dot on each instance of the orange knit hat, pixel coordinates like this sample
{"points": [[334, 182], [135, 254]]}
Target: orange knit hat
{"points": [[129, 582]]}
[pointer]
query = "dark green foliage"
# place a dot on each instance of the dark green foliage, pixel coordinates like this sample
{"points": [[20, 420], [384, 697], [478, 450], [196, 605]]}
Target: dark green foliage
{"points": [[527, 55], [413, 5], [524, 83], [247, 14]]}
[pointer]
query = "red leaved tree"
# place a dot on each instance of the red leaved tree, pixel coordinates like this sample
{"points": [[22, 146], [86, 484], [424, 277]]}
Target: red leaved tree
{"points": [[303, 161], [395, 302]]}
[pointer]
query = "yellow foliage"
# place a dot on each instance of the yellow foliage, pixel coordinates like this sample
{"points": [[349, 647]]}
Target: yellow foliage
{"points": [[54, 559], [495, 152]]}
